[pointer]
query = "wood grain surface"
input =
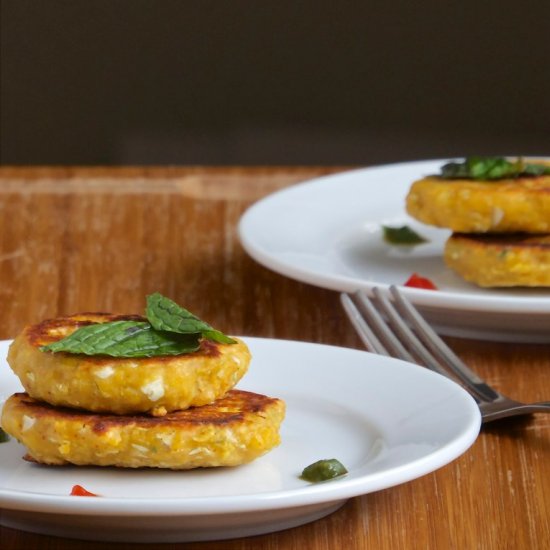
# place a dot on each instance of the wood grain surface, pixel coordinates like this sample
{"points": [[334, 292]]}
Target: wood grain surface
{"points": [[77, 239]]}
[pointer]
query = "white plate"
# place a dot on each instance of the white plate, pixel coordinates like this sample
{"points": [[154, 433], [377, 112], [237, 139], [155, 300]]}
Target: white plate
{"points": [[387, 421], [327, 232]]}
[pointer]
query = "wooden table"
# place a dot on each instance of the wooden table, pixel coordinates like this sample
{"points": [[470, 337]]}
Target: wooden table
{"points": [[101, 239]]}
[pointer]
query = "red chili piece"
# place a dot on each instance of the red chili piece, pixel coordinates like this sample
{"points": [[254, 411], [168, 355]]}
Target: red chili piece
{"points": [[416, 281], [79, 491]]}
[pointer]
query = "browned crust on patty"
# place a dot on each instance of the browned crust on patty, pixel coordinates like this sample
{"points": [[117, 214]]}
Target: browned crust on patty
{"points": [[231, 409], [51, 330], [508, 240]]}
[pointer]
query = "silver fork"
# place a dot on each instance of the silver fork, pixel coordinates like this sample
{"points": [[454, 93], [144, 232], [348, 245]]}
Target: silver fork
{"points": [[396, 329]]}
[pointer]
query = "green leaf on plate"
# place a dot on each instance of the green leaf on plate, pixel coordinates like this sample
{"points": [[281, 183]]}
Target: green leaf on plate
{"points": [[4, 437], [323, 470], [402, 235]]}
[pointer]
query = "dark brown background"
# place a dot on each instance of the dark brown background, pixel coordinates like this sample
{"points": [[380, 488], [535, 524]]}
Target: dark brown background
{"points": [[276, 82]]}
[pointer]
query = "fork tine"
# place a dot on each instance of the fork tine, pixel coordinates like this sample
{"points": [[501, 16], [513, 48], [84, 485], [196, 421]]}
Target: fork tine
{"points": [[374, 331], [406, 335], [368, 337], [391, 342], [432, 341]]}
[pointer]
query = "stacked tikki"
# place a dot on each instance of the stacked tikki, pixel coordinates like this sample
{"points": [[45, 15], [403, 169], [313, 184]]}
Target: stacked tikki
{"points": [[132, 391], [499, 212]]}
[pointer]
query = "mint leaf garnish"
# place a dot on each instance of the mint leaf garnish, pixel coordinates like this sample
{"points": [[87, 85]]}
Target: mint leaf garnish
{"points": [[165, 314], [125, 339], [168, 330], [492, 168]]}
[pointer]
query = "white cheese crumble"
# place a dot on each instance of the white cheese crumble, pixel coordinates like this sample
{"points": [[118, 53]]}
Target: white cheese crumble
{"points": [[140, 448], [166, 438], [154, 390], [201, 450], [104, 372], [230, 437], [65, 448], [28, 422], [496, 216]]}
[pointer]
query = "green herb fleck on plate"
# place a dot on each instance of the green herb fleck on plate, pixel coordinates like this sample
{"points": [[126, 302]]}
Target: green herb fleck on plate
{"points": [[323, 470], [4, 437], [402, 235]]}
